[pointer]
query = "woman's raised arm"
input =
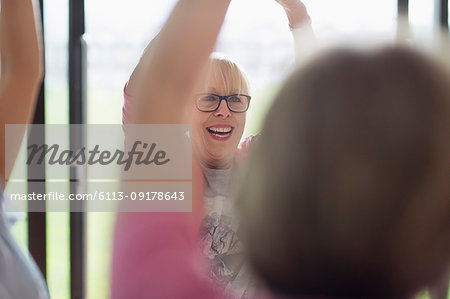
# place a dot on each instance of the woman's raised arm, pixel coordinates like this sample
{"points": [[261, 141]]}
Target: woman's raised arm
{"points": [[21, 68], [171, 67], [300, 25]]}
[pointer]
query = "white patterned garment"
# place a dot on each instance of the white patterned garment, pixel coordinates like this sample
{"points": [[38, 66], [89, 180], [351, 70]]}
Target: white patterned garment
{"points": [[19, 276], [218, 234]]}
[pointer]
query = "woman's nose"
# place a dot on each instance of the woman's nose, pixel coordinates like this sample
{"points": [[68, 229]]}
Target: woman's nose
{"points": [[223, 110]]}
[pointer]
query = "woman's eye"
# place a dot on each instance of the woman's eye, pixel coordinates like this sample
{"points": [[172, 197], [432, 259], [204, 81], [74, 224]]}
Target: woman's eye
{"points": [[234, 99], [209, 98]]}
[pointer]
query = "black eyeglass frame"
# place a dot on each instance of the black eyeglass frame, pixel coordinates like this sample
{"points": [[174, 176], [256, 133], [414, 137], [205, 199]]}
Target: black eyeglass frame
{"points": [[224, 98]]}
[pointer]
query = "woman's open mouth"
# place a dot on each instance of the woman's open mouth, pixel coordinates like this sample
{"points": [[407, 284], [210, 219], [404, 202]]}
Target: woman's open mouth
{"points": [[221, 133]]}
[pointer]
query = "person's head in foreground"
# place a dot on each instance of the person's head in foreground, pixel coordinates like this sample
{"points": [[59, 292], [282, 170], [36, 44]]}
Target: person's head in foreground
{"points": [[348, 192], [220, 112]]}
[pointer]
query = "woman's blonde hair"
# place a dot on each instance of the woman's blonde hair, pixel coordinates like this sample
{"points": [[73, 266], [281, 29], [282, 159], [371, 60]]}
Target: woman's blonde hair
{"points": [[228, 73]]}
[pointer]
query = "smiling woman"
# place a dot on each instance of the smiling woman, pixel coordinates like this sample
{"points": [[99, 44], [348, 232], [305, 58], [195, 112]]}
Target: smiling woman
{"points": [[218, 125], [218, 113], [217, 129], [214, 92]]}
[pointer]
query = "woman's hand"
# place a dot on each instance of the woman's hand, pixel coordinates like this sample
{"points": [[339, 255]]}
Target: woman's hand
{"points": [[295, 11]]}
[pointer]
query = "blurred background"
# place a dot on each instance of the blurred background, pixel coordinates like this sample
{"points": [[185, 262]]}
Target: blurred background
{"points": [[255, 34]]}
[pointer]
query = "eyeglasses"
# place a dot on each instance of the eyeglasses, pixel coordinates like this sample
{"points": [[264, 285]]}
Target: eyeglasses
{"points": [[210, 102]]}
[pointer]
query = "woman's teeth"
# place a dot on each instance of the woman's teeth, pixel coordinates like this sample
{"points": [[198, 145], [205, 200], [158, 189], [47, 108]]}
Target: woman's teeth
{"points": [[220, 132]]}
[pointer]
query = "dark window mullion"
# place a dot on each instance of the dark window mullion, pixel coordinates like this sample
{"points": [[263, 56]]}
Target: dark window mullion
{"points": [[442, 13], [77, 84], [441, 25], [37, 236], [402, 7]]}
